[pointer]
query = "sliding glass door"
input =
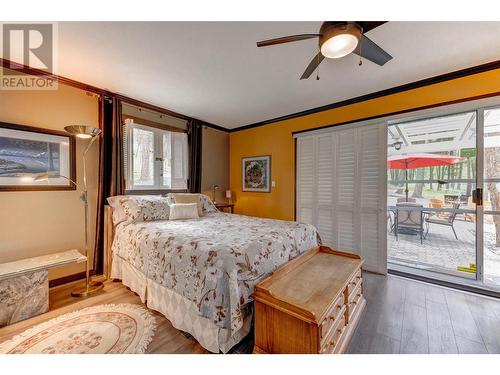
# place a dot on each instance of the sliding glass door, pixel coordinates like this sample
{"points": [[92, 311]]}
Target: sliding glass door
{"points": [[444, 196], [431, 180]]}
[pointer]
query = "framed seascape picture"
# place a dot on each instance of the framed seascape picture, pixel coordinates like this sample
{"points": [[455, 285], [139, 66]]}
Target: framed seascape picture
{"points": [[27, 153], [256, 173]]}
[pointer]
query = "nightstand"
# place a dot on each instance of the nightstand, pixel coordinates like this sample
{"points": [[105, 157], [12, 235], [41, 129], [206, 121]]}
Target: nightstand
{"points": [[224, 206]]}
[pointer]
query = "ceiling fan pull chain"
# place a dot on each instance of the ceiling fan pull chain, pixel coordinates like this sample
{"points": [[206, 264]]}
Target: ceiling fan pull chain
{"points": [[360, 46], [317, 71]]}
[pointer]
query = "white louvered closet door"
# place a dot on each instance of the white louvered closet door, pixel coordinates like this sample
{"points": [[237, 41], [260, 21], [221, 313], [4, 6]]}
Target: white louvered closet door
{"points": [[372, 193], [305, 179], [341, 189], [345, 200]]}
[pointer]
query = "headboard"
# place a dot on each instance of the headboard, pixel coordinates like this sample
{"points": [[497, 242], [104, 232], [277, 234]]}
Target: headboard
{"points": [[108, 239]]}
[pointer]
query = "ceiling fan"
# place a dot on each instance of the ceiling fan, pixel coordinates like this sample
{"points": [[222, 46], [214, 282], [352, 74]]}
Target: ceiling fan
{"points": [[338, 39]]}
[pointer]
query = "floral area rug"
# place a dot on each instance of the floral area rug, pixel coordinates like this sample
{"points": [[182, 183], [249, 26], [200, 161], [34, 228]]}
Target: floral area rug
{"points": [[114, 329]]}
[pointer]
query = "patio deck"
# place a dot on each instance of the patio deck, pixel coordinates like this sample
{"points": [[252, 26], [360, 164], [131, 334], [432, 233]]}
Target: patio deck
{"points": [[440, 250]]}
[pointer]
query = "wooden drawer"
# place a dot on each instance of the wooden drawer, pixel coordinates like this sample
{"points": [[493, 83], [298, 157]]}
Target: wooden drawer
{"points": [[302, 306], [333, 339], [337, 309], [354, 282], [353, 300]]}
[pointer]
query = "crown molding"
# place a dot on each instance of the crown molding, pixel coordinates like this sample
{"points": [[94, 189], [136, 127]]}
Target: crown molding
{"points": [[378, 94]]}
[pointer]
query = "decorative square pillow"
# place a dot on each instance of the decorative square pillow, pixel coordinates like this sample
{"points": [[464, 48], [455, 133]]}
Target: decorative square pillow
{"points": [[187, 198], [207, 205], [145, 208], [183, 211], [118, 214]]}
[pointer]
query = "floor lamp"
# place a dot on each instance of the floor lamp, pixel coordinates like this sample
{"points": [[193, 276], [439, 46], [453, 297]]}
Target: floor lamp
{"points": [[84, 132]]}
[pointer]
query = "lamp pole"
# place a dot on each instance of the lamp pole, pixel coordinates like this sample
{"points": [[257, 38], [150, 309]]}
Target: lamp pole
{"points": [[85, 199], [85, 132]]}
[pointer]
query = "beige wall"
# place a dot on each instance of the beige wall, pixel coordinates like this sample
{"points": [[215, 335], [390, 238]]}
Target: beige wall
{"points": [[215, 163], [44, 222]]}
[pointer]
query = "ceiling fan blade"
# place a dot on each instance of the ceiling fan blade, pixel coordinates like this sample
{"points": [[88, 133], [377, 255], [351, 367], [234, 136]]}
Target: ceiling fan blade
{"points": [[369, 50], [312, 65], [286, 39], [369, 25]]}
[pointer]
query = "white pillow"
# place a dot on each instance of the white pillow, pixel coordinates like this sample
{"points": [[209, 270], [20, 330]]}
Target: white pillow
{"points": [[183, 211], [187, 198], [207, 205]]}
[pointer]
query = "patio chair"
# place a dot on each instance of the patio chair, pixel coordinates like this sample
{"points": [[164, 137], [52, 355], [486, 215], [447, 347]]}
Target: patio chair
{"points": [[448, 221], [437, 203], [467, 216], [390, 215], [412, 220]]}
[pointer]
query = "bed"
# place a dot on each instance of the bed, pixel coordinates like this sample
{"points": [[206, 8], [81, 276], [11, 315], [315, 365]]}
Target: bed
{"points": [[200, 273]]}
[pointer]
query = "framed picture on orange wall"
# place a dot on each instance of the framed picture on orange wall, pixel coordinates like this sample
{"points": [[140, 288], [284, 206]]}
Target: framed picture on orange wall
{"points": [[256, 173]]}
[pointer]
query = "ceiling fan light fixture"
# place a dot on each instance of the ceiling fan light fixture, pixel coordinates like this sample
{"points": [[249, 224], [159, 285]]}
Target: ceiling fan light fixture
{"points": [[339, 46], [339, 39]]}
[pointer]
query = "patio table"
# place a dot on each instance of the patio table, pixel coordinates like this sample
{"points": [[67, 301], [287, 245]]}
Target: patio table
{"points": [[426, 211]]}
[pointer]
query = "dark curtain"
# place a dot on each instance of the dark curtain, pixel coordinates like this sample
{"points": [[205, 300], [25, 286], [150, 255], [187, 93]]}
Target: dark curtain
{"points": [[195, 134], [111, 176]]}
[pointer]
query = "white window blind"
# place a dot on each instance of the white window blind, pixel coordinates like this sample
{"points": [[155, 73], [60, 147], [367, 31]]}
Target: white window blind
{"points": [[341, 177]]}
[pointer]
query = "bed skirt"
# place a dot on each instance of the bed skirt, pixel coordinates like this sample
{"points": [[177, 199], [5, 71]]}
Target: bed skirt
{"points": [[181, 312]]}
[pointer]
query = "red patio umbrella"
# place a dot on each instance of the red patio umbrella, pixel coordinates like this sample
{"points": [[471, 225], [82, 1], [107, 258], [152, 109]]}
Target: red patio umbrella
{"points": [[419, 160]]}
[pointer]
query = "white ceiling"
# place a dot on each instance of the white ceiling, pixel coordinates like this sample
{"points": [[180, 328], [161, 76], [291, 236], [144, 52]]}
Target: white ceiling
{"points": [[213, 70]]}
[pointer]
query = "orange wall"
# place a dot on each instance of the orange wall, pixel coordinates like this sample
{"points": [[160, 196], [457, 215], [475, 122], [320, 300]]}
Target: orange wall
{"points": [[276, 139]]}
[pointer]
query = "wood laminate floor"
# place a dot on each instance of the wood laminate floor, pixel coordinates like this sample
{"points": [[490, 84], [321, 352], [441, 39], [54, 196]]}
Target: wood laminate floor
{"points": [[402, 316], [406, 316]]}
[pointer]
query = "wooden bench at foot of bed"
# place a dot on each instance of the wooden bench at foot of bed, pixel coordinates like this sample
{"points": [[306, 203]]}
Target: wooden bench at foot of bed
{"points": [[311, 304]]}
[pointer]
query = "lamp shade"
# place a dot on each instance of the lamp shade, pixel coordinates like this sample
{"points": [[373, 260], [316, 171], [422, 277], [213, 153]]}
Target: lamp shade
{"points": [[228, 194], [47, 176], [41, 177], [82, 131]]}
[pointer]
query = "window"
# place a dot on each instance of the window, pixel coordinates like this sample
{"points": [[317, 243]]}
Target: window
{"points": [[155, 159]]}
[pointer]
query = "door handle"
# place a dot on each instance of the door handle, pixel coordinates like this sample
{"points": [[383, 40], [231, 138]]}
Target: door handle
{"points": [[477, 196]]}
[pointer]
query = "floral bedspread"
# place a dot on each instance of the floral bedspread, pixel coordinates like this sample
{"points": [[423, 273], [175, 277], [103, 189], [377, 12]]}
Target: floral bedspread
{"points": [[214, 261]]}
